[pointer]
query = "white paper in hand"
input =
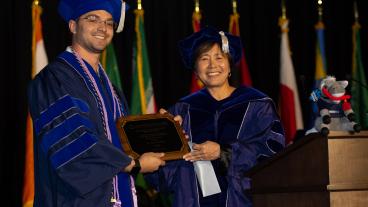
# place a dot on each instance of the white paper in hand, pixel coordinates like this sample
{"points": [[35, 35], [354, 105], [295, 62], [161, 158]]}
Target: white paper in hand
{"points": [[206, 176]]}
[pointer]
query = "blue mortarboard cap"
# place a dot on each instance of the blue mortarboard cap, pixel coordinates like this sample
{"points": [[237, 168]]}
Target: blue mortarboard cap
{"points": [[228, 42], [72, 9]]}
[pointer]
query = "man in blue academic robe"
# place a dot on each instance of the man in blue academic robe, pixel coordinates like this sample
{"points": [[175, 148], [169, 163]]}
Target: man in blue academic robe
{"points": [[78, 157]]}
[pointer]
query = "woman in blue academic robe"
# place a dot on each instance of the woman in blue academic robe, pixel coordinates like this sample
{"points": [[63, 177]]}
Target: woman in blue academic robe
{"points": [[232, 128]]}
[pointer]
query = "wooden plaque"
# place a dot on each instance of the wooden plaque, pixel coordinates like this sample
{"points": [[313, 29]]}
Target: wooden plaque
{"points": [[152, 133]]}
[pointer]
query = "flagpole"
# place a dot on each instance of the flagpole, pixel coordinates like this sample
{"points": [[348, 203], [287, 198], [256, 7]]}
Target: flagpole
{"points": [[320, 10], [356, 12], [196, 17], [36, 13], [234, 19], [196, 13], [283, 17], [235, 7], [139, 4], [283, 10], [196, 6], [356, 15]]}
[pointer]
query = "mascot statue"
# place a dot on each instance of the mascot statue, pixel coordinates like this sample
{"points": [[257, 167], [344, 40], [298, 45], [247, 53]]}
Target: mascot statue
{"points": [[334, 111]]}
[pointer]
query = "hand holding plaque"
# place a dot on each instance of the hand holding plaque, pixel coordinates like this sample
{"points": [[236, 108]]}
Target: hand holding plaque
{"points": [[152, 133]]}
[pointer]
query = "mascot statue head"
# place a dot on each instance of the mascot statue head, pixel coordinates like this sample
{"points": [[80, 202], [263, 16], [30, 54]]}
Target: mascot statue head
{"points": [[333, 91]]}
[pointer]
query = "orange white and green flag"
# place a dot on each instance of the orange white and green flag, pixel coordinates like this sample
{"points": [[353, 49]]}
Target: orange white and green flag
{"points": [[39, 61]]}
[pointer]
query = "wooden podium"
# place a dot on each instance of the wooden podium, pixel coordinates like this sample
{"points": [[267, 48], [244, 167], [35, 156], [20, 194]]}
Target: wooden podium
{"points": [[316, 171]]}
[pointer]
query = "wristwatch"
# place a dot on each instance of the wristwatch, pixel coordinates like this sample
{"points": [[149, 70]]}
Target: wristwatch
{"points": [[136, 169]]}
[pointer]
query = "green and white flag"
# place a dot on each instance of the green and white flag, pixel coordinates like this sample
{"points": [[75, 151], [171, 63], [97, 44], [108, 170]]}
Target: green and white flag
{"points": [[143, 101], [359, 89], [110, 64]]}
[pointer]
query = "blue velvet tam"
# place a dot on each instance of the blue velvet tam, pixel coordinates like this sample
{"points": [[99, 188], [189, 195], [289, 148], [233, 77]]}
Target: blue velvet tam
{"points": [[73, 9], [228, 43]]}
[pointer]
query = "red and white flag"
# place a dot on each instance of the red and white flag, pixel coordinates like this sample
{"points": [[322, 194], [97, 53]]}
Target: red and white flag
{"points": [[243, 75], [289, 104], [196, 84]]}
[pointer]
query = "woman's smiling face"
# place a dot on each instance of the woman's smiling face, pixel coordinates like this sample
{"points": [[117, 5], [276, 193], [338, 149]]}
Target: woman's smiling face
{"points": [[213, 67]]}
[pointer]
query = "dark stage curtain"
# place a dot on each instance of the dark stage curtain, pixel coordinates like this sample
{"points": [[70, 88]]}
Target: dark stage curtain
{"points": [[166, 22]]}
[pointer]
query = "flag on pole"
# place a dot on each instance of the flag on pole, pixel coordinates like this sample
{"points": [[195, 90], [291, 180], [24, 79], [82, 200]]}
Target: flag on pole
{"points": [[321, 64], [143, 100], [321, 67], [290, 110], [359, 88], [39, 61], [241, 76], [196, 84], [110, 64]]}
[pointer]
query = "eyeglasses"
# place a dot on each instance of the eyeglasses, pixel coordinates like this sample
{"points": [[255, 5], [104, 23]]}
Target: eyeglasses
{"points": [[95, 20]]}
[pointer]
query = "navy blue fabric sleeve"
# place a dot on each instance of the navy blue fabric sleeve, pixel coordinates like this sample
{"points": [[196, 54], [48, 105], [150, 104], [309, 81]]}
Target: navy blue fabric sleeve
{"points": [[260, 126]]}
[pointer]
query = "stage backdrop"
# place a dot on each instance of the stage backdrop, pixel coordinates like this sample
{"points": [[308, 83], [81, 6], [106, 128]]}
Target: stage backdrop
{"points": [[166, 22]]}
